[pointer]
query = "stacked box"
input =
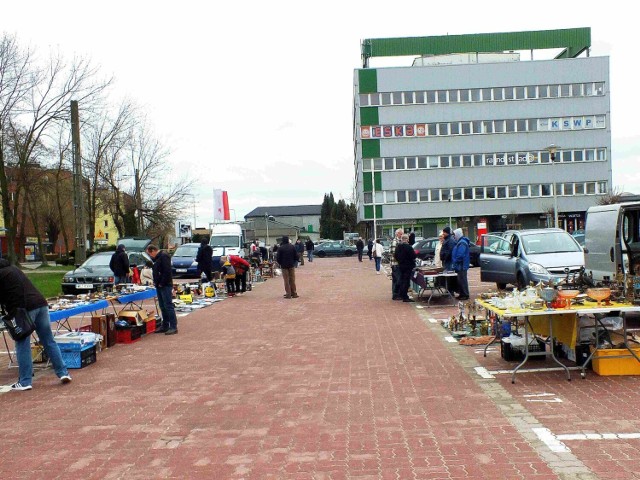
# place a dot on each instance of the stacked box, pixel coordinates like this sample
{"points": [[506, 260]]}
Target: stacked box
{"points": [[128, 335]]}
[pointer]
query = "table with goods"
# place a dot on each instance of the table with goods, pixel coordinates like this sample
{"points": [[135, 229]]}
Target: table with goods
{"points": [[434, 280], [581, 317]]}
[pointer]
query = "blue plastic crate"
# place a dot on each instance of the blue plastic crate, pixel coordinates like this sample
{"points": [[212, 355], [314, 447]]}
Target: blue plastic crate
{"points": [[74, 346], [79, 358]]}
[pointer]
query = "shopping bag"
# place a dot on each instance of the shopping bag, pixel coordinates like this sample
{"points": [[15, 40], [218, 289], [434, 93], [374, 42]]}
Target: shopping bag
{"points": [[19, 326]]}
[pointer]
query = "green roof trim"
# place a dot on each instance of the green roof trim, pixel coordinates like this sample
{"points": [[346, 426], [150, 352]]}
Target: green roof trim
{"points": [[574, 41]]}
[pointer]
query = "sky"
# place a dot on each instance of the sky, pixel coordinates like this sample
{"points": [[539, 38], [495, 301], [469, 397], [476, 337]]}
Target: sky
{"points": [[256, 98]]}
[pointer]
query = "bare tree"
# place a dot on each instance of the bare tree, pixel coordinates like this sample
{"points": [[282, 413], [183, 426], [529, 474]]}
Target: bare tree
{"points": [[614, 196]]}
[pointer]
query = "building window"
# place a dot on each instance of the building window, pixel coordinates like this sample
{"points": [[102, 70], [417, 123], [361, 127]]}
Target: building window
{"points": [[433, 161], [106, 236], [553, 91], [465, 128], [579, 188], [442, 96], [545, 190], [424, 195], [422, 162], [513, 191], [413, 195], [432, 130], [106, 223], [368, 197], [602, 187], [443, 129], [455, 161], [531, 91], [454, 128], [475, 95], [591, 188], [366, 164], [523, 190], [508, 93], [543, 91], [519, 93], [419, 97], [453, 96], [379, 198], [535, 190], [444, 162], [501, 192], [435, 195], [388, 163], [390, 196], [568, 189], [466, 160], [400, 163], [445, 194], [479, 193], [396, 98], [491, 192], [364, 99], [576, 90], [486, 94], [467, 193], [377, 164], [411, 163], [457, 194], [386, 98], [402, 196], [374, 99], [464, 95], [497, 94], [431, 96]]}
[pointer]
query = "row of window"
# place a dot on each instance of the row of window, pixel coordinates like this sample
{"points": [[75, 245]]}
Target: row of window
{"points": [[481, 127], [494, 94], [482, 159], [485, 193]]}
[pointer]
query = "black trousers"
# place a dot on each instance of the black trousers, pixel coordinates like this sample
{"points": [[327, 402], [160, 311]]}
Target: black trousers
{"points": [[241, 282], [403, 283]]}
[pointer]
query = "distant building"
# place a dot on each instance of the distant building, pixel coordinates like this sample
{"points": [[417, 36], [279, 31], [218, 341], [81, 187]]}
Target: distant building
{"points": [[465, 135], [294, 221]]}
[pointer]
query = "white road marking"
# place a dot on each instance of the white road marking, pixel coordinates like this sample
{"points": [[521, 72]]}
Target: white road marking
{"points": [[553, 400], [450, 339], [433, 320], [533, 370], [5, 388], [598, 436], [483, 372], [490, 349], [529, 395], [550, 440]]}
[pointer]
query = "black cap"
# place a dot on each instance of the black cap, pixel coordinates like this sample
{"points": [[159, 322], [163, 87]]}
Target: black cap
{"points": [[447, 230], [285, 239]]}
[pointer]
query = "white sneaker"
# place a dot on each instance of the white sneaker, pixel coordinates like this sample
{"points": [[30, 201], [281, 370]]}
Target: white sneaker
{"points": [[18, 387], [65, 378], [377, 273]]}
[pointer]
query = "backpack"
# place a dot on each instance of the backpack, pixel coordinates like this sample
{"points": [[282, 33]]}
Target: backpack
{"points": [[231, 272]]}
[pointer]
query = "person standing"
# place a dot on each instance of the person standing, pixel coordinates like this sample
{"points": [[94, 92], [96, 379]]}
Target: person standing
{"points": [[394, 264], [460, 263], [286, 258], [310, 248], [17, 291], [370, 249], [163, 281], [300, 251], [412, 238], [406, 258], [447, 249], [378, 250], [436, 256], [204, 258], [229, 275], [119, 265], [360, 249]]}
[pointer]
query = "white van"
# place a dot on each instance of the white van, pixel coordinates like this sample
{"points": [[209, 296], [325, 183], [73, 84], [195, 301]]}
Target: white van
{"points": [[612, 240], [226, 239]]}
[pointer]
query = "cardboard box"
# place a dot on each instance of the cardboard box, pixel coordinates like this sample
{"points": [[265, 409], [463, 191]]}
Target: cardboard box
{"points": [[615, 366], [134, 317], [105, 326]]}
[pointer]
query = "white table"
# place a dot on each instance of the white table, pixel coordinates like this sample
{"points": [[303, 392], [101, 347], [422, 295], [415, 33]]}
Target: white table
{"points": [[436, 282]]}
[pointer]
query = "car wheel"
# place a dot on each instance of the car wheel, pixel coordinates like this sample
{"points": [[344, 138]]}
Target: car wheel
{"points": [[348, 253], [501, 286], [321, 254]]}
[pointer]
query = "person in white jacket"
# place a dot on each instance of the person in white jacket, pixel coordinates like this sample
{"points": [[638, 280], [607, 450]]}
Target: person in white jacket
{"points": [[436, 258], [378, 250]]}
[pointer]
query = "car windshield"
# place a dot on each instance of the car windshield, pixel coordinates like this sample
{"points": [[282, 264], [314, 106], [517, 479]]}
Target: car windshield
{"points": [[225, 241], [552, 242], [184, 251], [97, 261]]}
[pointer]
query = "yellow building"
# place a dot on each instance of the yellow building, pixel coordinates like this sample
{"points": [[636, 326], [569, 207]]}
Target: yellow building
{"points": [[106, 232]]}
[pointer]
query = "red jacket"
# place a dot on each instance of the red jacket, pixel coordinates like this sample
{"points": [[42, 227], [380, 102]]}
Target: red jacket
{"points": [[239, 263]]}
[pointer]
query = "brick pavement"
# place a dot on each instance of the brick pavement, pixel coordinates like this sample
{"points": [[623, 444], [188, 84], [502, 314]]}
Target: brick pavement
{"points": [[341, 383]]}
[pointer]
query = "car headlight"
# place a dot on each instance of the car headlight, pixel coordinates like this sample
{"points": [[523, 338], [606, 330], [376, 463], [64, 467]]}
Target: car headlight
{"points": [[67, 279], [537, 269]]}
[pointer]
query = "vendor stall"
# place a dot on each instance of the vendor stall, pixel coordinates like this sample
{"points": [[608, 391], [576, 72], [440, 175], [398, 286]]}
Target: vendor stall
{"points": [[442, 283], [556, 324], [62, 316]]}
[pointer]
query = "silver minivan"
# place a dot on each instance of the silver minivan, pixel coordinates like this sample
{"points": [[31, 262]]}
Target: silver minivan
{"points": [[519, 257], [612, 240]]}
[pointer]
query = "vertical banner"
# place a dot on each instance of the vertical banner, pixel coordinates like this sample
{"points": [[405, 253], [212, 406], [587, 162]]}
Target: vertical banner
{"points": [[221, 205]]}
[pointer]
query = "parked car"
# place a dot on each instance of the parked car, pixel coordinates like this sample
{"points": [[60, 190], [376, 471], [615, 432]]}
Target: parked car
{"points": [[386, 244], [425, 250], [336, 248], [522, 256], [579, 236], [183, 261], [95, 275]]}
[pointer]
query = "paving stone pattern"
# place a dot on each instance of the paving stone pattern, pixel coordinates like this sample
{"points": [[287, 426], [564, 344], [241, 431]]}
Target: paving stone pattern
{"points": [[341, 383]]}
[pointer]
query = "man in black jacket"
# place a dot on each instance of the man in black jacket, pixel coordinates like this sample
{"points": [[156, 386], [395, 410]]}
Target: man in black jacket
{"points": [[310, 248], [286, 257], [119, 264], [360, 248], [205, 259], [17, 291], [447, 249], [163, 281], [406, 257]]}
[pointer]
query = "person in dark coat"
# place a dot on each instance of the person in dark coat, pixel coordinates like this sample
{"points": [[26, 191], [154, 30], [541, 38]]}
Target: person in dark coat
{"points": [[412, 238], [360, 248], [461, 260], [406, 258], [370, 249], [310, 248], [286, 257], [447, 249], [300, 249], [205, 259], [17, 291], [163, 280], [119, 265], [242, 268]]}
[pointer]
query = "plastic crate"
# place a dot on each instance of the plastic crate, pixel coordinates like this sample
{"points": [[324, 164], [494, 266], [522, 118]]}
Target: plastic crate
{"points": [[75, 347], [615, 366], [510, 354], [79, 358], [128, 335], [150, 326]]}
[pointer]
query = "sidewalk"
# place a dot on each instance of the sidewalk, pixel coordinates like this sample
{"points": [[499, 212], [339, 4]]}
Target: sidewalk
{"points": [[341, 383]]}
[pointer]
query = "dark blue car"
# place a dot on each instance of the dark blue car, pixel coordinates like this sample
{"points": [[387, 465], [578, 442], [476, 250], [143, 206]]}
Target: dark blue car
{"points": [[183, 262]]}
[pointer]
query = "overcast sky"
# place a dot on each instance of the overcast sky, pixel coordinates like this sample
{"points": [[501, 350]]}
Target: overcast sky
{"points": [[256, 97]]}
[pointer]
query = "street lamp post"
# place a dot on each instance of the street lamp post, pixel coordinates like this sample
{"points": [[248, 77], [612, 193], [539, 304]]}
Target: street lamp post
{"points": [[266, 221], [552, 149]]}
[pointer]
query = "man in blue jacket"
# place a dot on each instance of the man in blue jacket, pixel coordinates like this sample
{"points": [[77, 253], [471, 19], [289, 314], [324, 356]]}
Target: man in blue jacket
{"points": [[460, 260]]}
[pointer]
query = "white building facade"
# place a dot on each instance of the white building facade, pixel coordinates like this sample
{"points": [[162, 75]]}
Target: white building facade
{"points": [[465, 139]]}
